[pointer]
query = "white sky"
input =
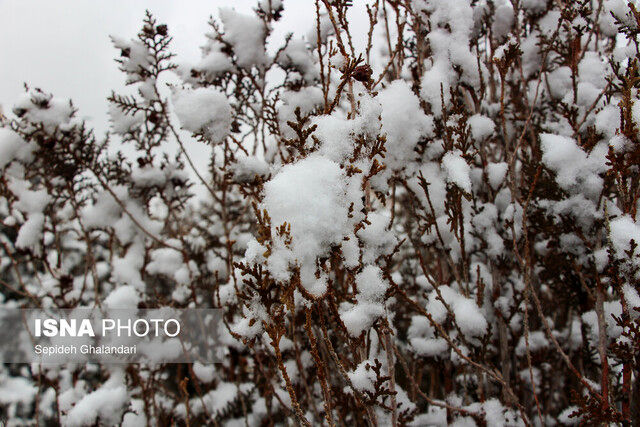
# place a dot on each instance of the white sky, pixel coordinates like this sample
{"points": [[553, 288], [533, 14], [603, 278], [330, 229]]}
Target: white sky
{"points": [[63, 46]]}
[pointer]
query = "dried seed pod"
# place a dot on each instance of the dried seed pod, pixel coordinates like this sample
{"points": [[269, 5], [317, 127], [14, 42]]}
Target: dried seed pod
{"points": [[161, 29], [362, 73]]}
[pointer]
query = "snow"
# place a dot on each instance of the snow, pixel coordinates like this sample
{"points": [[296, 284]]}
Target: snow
{"points": [[215, 62], [205, 373], [360, 317], [370, 284], [496, 173], [617, 8], [312, 196], [592, 69], [534, 6], [485, 222], [218, 400], [560, 82], [335, 133], [436, 179], [148, 176], [203, 110], [575, 169], [450, 48], [269, 5], [565, 418], [306, 99], [326, 29], [436, 416], [33, 203], [363, 377], [457, 170], [136, 59], [296, 56], [537, 341], [106, 403], [135, 416], [17, 390], [422, 338], [435, 87], [632, 298], [126, 269], [503, 20], [166, 261], [350, 251], [248, 168], [404, 123], [549, 22], [246, 35], [369, 307], [469, 317], [30, 232], [623, 230], [607, 120], [612, 310], [635, 113], [41, 108], [467, 314], [13, 147], [376, 237], [481, 126], [123, 297]]}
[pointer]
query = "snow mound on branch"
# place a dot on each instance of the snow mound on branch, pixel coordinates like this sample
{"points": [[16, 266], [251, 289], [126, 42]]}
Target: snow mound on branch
{"points": [[16, 390], [370, 284], [337, 133], [313, 197], [423, 340], [624, 230], [376, 237], [218, 400], [106, 403], [296, 56], [404, 122], [467, 314], [246, 34], [363, 377], [457, 170], [215, 62], [452, 23], [369, 301], [361, 316], [496, 173], [33, 203], [123, 297], [12, 147], [310, 196], [481, 126], [203, 110], [575, 169]]}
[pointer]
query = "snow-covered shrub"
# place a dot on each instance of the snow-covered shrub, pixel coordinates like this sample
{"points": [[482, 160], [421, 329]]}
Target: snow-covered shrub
{"points": [[440, 229]]}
